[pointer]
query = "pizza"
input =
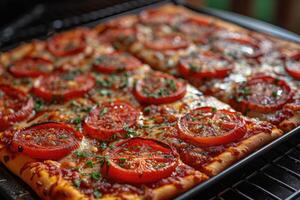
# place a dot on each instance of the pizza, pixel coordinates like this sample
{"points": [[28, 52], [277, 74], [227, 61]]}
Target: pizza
{"points": [[142, 106], [225, 61]]}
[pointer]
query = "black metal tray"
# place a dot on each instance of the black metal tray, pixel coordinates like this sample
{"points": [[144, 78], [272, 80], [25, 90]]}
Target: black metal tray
{"points": [[11, 187]]}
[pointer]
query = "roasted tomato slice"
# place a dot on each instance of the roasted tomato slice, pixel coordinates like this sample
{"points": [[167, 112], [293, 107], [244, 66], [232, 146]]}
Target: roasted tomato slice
{"points": [[139, 161], [167, 42], [46, 141], [68, 43], [237, 47], [31, 67], [205, 65], [196, 28], [263, 94], [63, 86], [207, 126], [156, 17], [159, 88], [110, 118], [127, 21], [118, 36], [116, 62], [15, 106], [292, 66]]}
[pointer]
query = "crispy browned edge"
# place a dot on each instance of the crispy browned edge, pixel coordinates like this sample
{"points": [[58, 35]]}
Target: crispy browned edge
{"points": [[60, 189], [64, 190], [232, 154]]}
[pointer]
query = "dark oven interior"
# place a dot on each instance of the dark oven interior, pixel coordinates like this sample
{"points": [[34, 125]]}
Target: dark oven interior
{"points": [[274, 175]]}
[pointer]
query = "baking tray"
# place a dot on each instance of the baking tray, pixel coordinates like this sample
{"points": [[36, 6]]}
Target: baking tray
{"points": [[11, 187]]}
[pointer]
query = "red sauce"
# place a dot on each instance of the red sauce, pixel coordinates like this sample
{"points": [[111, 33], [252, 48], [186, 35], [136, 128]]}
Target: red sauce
{"points": [[180, 172], [199, 157]]}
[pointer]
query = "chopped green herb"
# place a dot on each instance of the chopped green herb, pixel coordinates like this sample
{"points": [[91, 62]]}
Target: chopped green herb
{"points": [[86, 109], [77, 182], [122, 159], [117, 45], [77, 120], [104, 92], [103, 145], [76, 168], [100, 59], [201, 126], [81, 154], [75, 103], [63, 136], [274, 94], [89, 163], [114, 136], [214, 109], [231, 54], [147, 110], [193, 67], [104, 83], [103, 112], [97, 194], [95, 175], [276, 80], [14, 82], [161, 165], [171, 83], [70, 75], [107, 162], [101, 159], [130, 132], [245, 91], [38, 104]]}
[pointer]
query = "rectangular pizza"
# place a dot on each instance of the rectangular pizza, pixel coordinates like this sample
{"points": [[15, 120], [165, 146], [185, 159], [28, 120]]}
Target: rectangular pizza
{"points": [[142, 106]]}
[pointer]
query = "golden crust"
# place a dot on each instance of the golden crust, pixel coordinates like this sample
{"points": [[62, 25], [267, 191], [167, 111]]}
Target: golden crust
{"points": [[290, 123], [54, 187], [246, 147], [46, 186], [170, 191]]}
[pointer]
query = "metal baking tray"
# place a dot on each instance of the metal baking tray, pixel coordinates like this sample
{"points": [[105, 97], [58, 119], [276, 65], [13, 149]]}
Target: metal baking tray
{"points": [[11, 187]]}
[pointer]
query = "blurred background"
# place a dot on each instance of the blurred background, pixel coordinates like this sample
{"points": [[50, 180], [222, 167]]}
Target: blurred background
{"points": [[283, 13], [22, 18]]}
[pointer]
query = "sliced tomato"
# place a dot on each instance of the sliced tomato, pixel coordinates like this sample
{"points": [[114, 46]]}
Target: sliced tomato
{"points": [[159, 88], [46, 141], [167, 42], [127, 21], [205, 65], [126, 36], [196, 28], [116, 62], [157, 17], [110, 118], [68, 43], [31, 67], [15, 106], [139, 161], [206, 126], [263, 94], [237, 47], [63, 86], [292, 66]]}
